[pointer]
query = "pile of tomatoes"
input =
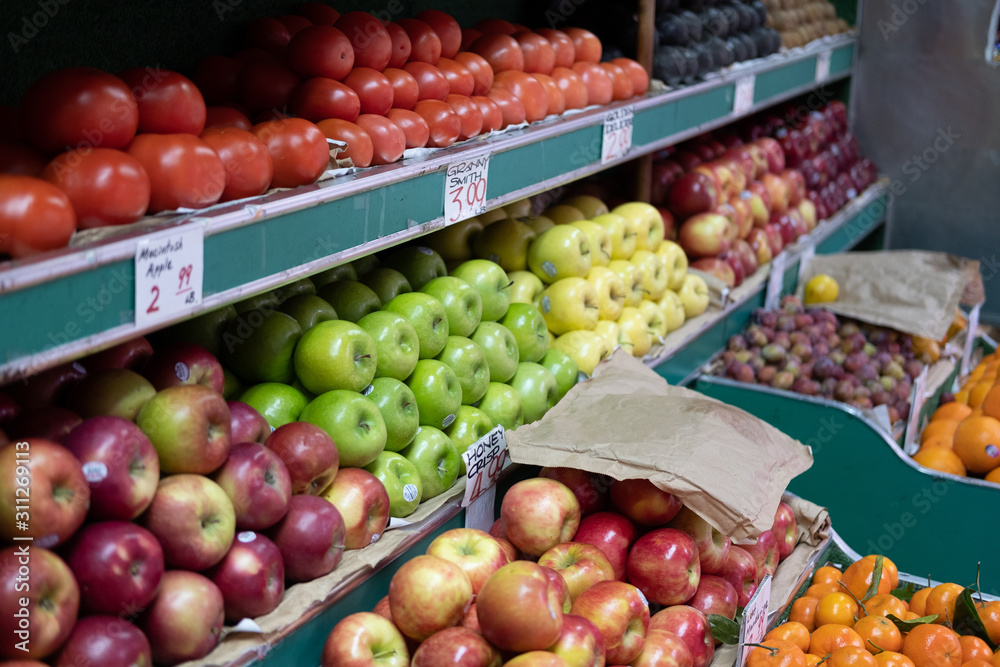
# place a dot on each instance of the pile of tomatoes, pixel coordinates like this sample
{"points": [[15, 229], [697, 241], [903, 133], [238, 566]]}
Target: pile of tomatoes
{"points": [[88, 148]]}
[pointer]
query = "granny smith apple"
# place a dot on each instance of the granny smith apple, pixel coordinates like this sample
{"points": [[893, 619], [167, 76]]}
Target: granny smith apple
{"points": [[401, 480], [469, 426], [462, 303], [537, 387], [396, 345], [300, 286], [525, 287], [418, 263], [335, 355], [438, 392], [491, 282], [454, 242], [436, 459], [399, 411], [363, 265], [354, 423], [258, 346], [500, 348], [280, 404], [341, 272], [266, 301], [525, 321], [308, 310], [205, 330], [561, 252], [503, 405], [298, 386], [232, 385], [468, 361], [352, 300], [386, 283], [505, 242], [563, 368], [428, 317]]}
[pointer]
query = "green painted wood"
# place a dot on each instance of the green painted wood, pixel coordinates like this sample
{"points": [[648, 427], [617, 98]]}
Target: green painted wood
{"points": [[709, 106], [654, 124], [793, 75], [842, 59]]}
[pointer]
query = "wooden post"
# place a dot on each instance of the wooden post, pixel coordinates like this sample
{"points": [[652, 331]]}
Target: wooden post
{"points": [[643, 171]]}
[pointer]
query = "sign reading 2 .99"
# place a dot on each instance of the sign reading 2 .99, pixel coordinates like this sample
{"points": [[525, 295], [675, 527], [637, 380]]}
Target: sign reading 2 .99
{"points": [[465, 188]]}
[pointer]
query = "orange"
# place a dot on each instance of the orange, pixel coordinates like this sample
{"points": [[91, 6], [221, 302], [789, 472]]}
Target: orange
{"points": [[954, 410], [859, 574], [962, 397], [839, 608], [932, 645], [991, 404], [941, 459], [910, 616], [947, 442], [977, 443], [851, 656], [977, 663], [828, 638], [978, 393], [880, 634], [941, 427], [792, 632], [777, 654], [826, 575], [941, 601], [974, 648], [891, 659], [993, 476], [996, 659], [989, 614], [918, 603], [819, 590], [884, 604], [812, 660], [804, 611]]}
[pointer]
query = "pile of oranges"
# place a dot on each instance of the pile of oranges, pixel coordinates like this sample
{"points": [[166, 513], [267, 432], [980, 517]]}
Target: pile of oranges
{"points": [[828, 626]]}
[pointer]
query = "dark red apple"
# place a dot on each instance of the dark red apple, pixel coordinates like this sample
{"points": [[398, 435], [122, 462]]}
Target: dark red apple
{"points": [[50, 387], [309, 453], [613, 534], [184, 363], [692, 193], [251, 577], [310, 537], [185, 620], [590, 489], [132, 354], [258, 483], [247, 425], [50, 423], [107, 641], [35, 619]]}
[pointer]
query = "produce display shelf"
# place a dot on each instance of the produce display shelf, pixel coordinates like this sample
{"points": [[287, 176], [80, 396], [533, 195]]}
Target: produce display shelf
{"points": [[63, 304], [878, 497]]}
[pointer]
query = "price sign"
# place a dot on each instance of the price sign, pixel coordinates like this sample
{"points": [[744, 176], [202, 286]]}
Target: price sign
{"points": [[483, 462], [776, 281], [913, 425], [970, 337], [169, 269], [754, 625], [808, 252], [823, 66], [743, 101], [617, 140], [465, 189]]}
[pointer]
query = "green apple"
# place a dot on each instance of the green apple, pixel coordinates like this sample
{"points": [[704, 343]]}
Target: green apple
{"points": [[279, 404], [462, 303], [629, 272], [622, 231], [205, 330], [233, 385], [561, 252], [610, 290], [636, 329], [600, 241], [653, 274], [468, 361], [694, 295], [527, 324], [363, 265], [539, 223], [469, 426], [438, 392], [502, 404], [500, 348], [308, 310], [352, 300], [428, 317], [654, 318], [454, 242], [335, 355], [506, 243], [337, 273], [648, 222], [300, 286], [354, 423], [563, 369], [519, 208], [537, 387], [491, 282], [397, 347], [298, 386], [401, 480], [265, 301], [676, 262], [586, 347], [568, 305], [386, 283], [418, 263], [399, 411], [673, 310], [525, 287], [563, 214], [259, 344], [589, 205], [436, 459]]}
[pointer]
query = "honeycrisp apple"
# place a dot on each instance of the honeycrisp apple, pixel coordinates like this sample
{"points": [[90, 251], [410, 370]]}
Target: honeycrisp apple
{"points": [[715, 595], [492, 283], [536, 659], [538, 390], [363, 503], [623, 234], [600, 241], [354, 423], [765, 554], [580, 565], [663, 649], [335, 355], [664, 564], [569, 304], [462, 304], [505, 242], [590, 489], [611, 292], [428, 594], [643, 502], [713, 546], [365, 639], [740, 570], [561, 252], [503, 405], [785, 530], [468, 361], [524, 586], [397, 347], [613, 534], [456, 646], [691, 627], [402, 482], [620, 613], [476, 552], [500, 348], [525, 287], [436, 459], [428, 317], [587, 348], [538, 514], [580, 643]]}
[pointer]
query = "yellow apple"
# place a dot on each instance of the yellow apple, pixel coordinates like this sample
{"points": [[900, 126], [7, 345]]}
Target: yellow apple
{"points": [[622, 231], [635, 327], [495, 215], [654, 318], [505, 242], [525, 287], [694, 295], [562, 214], [589, 205], [586, 347], [539, 223], [612, 332], [569, 304], [652, 271], [454, 242], [632, 279], [600, 241], [673, 310], [611, 293], [648, 223], [519, 208], [676, 261], [561, 252]]}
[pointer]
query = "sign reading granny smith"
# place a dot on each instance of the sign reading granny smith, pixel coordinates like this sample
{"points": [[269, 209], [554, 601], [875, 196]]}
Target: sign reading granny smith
{"points": [[465, 188]]}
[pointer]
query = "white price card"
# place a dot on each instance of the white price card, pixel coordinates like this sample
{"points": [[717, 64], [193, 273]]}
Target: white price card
{"points": [[169, 271], [743, 101], [808, 252], [465, 188], [754, 625], [483, 462], [823, 66], [776, 281], [970, 337], [913, 425], [617, 140]]}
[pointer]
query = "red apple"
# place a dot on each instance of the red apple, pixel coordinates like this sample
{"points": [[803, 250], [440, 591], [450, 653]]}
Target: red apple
{"points": [[705, 235], [774, 238], [747, 255], [664, 565], [669, 224], [496, 528], [363, 503], [590, 489], [664, 173], [721, 267], [189, 427], [795, 185], [108, 641], [456, 646], [728, 211], [132, 354], [50, 387], [536, 659], [691, 627], [365, 639], [643, 502], [524, 586], [613, 534], [193, 519], [761, 246], [765, 553], [720, 179], [775, 156], [52, 423], [428, 594], [251, 577], [477, 553], [509, 549], [580, 565], [713, 546], [785, 530], [185, 363], [538, 514], [309, 453], [744, 213], [257, 482], [715, 595], [740, 570], [777, 190], [185, 620], [809, 213], [382, 608], [559, 588], [693, 193], [663, 649], [35, 619], [471, 619], [246, 424], [786, 227], [310, 537], [758, 191], [759, 156], [580, 643], [621, 613]]}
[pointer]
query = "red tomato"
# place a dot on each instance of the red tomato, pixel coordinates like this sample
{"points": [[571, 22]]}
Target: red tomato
{"points": [[640, 78], [597, 81], [502, 52], [442, 120], [460, 79], [22, 160], [34, 216], [401, 45], [430, 81], [253, 55], [426, 43], [414, 127], [492, 116], [563, 46], [169, 102], [529, 91], [359, 144], [268, 34], [557, 103], [539, 56], [469, 35], [318, 13], [183, 171], [226, 117], [321, 50], [388, 140], [105, 186], [319, 98], [266, 85], [78, 107], [248, 164], [298, 149], [405, 91], [573, 88], [480, 69], [469, 115], [373, 89], [588, 46], [294, 23], [511, 108], [496, 26], [371, 41], [216, 78], [447, 29], [621, 82]]}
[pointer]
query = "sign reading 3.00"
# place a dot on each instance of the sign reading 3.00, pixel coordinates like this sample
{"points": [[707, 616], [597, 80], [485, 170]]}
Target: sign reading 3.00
{"points": [[465, 188]]}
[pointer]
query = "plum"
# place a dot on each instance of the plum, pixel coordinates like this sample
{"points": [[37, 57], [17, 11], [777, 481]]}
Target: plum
{"points": [[802, 350], [806, 386], [888, 382], [913, 368], [869, 349], [823, 367], [867, 372], [854, 362], [803, 320], [782, 380], [766, 374], [773, 353], [848, 329], [880, 397], [736, 343], [786, 323]]}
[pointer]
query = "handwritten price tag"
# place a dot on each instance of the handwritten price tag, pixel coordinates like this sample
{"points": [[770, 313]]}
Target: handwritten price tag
{"points": [[775, 282], [823, 66], [617, 140], [743, 101], [465, 189], [913, 425], [483, 461], [754, 625], [169, 270]]}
